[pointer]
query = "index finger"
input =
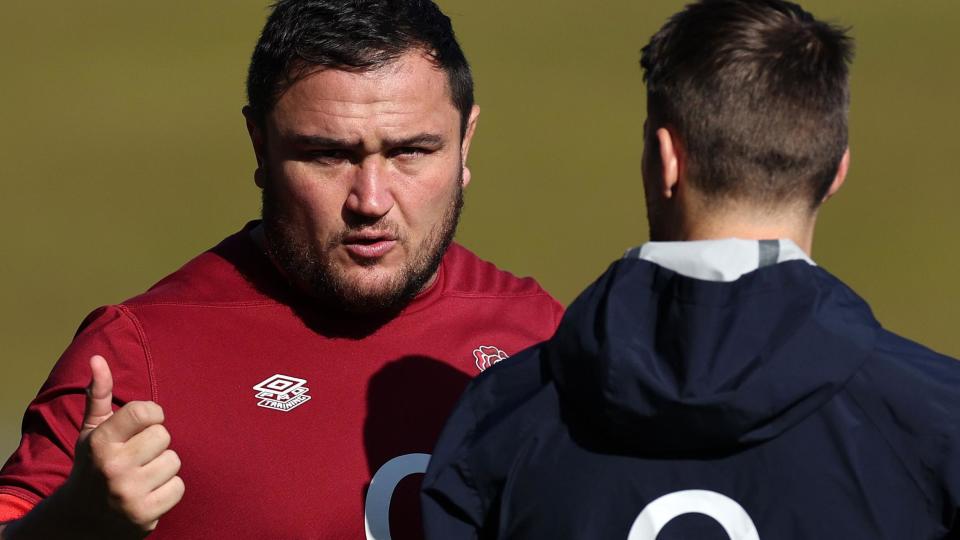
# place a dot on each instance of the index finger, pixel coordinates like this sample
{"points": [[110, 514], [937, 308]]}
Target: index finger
{"points": [[131, 419]]}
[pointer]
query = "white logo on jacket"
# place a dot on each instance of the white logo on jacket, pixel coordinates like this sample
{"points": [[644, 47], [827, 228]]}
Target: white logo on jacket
{"points": [[281, 392], [727, 512]]}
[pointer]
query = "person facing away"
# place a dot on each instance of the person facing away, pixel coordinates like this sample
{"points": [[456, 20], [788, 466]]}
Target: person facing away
{"points": [[290, 382], [716, 382]]}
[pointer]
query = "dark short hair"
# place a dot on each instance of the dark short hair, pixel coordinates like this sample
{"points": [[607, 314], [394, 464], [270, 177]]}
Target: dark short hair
{"points": [[757, 91], [353, 35]]}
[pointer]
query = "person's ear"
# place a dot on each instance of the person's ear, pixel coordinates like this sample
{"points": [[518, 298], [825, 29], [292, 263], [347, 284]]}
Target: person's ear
{"points": [[258, 141], [840, 177], [465, 144], [671, 161]]}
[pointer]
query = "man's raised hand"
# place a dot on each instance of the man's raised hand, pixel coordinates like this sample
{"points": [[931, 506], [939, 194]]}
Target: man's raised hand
{"points": [[124, 473]]}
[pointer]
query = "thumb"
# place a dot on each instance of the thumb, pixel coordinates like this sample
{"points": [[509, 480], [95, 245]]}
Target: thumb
{"points": [[99, 396]]}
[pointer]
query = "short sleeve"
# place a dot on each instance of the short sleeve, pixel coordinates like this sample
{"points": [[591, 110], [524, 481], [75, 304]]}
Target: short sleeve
{"points": [[42, 461], [13, 507]]}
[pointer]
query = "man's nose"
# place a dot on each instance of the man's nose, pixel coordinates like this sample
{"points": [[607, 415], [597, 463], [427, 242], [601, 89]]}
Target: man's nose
{"points": [[370, 194]]}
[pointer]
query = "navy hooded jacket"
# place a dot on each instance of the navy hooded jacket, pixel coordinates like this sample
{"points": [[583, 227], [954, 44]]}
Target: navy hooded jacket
{"points": [[773, 406]]}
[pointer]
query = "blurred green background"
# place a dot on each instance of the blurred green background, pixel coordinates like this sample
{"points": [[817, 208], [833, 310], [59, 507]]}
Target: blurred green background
{"points": [[123, 154]]}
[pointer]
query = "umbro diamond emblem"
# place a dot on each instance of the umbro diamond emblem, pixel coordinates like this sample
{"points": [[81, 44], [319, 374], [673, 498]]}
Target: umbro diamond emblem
{"points": [[282, 392]]}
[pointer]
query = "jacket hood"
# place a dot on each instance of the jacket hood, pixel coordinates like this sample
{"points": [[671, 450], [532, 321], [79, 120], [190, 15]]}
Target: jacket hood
{"points": [[665, 362]]}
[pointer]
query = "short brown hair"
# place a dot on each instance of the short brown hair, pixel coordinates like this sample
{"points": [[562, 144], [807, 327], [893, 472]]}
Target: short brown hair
{"points": [[758, 93], [359, 35]]}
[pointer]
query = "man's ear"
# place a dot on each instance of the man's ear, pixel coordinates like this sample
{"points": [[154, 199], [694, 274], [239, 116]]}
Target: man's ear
{"points": [[465, 144], [258, 141], [671, 161], [840, 177]]}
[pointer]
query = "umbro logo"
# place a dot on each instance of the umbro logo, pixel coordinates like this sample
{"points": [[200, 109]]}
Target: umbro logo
{"points": [[282, 392], [487, 355]]}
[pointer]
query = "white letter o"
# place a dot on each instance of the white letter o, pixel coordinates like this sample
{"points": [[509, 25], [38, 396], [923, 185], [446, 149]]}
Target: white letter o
{"points": [[726, 511]]}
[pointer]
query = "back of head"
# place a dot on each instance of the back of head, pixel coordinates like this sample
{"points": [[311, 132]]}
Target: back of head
{"points": [[757, 91], [301, 36]]}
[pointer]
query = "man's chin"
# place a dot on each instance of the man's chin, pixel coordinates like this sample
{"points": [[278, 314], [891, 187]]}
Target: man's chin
{"points": [[372, 279], [376, 301], [372, 290]]}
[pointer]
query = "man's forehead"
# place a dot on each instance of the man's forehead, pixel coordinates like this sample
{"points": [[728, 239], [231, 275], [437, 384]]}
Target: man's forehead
{"points": [[411, 81]]}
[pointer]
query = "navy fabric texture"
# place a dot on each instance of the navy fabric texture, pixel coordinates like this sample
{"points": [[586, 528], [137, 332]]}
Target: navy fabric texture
{"points": [[778, 393]]}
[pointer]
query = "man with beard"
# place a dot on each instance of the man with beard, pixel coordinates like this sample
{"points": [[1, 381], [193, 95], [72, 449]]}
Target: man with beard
{"points": [[715, 383], [289, 382]]}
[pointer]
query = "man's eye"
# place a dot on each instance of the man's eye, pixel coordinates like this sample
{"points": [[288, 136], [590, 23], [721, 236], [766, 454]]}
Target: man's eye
{"points": [[329, 156], [407, 152]]}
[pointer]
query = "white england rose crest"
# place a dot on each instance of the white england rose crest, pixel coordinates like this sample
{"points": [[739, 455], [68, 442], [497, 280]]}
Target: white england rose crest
{"points": [[488, 355]]}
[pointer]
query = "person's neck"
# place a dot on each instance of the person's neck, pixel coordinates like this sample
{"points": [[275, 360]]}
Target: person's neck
{"points": [[746, 223], [751, 231]]}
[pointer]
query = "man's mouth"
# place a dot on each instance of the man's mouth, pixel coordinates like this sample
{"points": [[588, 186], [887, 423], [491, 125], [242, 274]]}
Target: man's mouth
{"points": [[369, 244]]}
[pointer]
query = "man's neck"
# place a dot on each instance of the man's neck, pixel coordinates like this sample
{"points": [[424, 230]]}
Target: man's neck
{"points": [[705, 221], [803, 237]]}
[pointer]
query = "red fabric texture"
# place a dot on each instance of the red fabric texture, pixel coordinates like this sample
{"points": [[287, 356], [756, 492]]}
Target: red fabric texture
{"points": [[261, 462], [13, 507]]}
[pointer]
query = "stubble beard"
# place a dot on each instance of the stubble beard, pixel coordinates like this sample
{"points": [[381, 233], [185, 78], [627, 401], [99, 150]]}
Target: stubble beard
{"points": [[314, 272]]}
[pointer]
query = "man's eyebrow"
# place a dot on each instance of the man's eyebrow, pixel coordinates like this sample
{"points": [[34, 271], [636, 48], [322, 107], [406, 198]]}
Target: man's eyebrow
{"points": [[300, 139], [429, 140]]}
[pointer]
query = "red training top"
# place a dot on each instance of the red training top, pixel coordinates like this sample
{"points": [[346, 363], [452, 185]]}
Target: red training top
{"points": [[290, 423]]}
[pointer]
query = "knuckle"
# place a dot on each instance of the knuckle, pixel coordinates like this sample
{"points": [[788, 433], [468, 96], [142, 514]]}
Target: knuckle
{"points": [[136, 511], [139, 411], [156, 411], [163, 435], [174, 459], [96, 453], [145, 412], [135, 410], [158, 435], [98, 443], [121, 489], [112, 468], [179, 488], [164, 498]]}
